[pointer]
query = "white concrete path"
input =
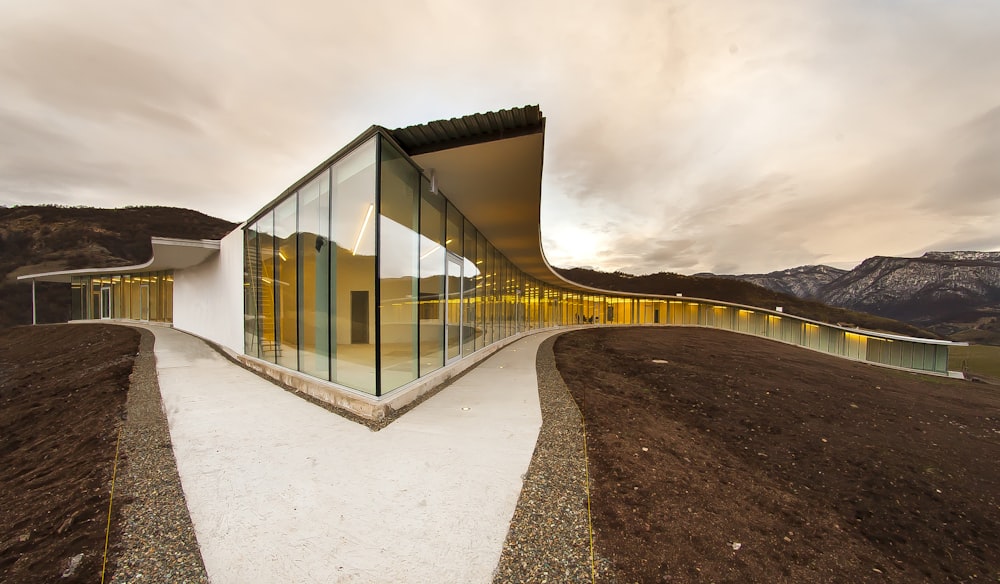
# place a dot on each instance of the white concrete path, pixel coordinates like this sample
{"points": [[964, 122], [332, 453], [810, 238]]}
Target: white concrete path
{"points": [[281, 490]]}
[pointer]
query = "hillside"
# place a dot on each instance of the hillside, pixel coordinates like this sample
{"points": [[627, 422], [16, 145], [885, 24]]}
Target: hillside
{"points": [[956, 294], [733, 290], [50, 238]]}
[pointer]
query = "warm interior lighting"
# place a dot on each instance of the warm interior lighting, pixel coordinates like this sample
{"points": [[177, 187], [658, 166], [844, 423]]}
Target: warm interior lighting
{"points": [[449, 242], [281, 255], [364, 225]]}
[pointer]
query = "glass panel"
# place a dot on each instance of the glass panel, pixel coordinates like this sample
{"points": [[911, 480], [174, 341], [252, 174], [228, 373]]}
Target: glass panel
{"points": [[470, 328], [133, 301], [286, 282], [154, 297], [314, 277], [168, 296], [481, 292], [144, 299], [77, 298], [352, 232], [399, 268], [95, 298], [250, 279], [127, 296], [432, 258], [266, 324], [116, 294], [105, 302], [454, 315], [454, 237], [489, 280], [505, 292]]}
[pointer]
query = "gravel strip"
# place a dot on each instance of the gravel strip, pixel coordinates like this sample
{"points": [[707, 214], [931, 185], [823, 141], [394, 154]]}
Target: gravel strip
{"points": [[157, 538], [549, 539]]}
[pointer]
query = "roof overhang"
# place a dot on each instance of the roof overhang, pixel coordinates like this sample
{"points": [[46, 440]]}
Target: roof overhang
{"points": [[490, 167], [168, 254]]}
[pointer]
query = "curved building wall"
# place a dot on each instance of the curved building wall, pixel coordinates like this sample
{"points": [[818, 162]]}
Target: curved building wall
{"points": [[364, 275], [208, 298]]}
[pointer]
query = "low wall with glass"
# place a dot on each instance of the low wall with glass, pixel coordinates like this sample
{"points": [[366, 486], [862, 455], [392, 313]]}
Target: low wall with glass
{"points": [[365, 276], [147, 296]]}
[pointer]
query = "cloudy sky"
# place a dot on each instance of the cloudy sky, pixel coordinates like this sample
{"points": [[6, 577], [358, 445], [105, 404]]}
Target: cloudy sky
{"points": [[717, 135]]}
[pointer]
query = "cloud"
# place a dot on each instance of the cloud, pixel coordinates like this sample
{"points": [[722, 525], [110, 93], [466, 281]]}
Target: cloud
{"points": [[681, 136]]}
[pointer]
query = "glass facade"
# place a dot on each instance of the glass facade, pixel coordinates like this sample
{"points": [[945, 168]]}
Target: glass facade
{"points": [[147, 296], [320, 300]]}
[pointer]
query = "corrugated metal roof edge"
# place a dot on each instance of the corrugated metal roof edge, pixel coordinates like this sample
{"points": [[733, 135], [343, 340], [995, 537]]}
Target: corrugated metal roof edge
{"points": [[472, 129]]}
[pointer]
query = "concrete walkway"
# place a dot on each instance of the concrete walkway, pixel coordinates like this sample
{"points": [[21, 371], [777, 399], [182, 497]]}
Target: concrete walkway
{"points": [[281, 490]]}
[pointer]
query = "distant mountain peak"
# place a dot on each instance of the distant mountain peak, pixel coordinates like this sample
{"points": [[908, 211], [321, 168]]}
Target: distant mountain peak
{"points": [[991, 256], [801, 281], [948, 291]]}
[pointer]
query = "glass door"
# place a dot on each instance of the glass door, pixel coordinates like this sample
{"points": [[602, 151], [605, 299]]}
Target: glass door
{"points": [[453, 314]]}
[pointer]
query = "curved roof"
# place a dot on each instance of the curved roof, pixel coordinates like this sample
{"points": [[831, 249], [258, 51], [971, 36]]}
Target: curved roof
{"points": [[490, 167], [444, 134], [168, 254]]}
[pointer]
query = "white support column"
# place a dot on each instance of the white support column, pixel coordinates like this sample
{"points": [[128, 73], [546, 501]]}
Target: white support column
{"points": [[34, 313]]}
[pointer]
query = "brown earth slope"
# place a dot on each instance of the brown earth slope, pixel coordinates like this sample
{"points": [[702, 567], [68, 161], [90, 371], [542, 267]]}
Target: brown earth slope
{"points": [[717, 457], [62, 400]]}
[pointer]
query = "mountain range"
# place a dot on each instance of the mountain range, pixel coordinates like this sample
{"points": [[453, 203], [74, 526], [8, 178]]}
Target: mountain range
{"points": [[954, 293]]}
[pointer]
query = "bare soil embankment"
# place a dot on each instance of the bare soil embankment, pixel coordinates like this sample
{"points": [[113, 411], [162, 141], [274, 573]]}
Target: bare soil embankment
{"points": [[62, 401], [717, 457]]}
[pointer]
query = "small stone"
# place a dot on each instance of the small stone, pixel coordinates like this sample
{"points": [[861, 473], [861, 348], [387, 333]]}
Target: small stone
{"points": [[73, 564], [736, 546]]}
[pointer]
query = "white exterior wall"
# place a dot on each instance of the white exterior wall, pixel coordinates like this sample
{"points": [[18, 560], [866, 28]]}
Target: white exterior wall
{"points": [[208, 298]]}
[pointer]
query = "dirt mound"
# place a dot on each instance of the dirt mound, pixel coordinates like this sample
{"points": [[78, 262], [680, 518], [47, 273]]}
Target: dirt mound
{"points": [[62, 400], [719, 457]]}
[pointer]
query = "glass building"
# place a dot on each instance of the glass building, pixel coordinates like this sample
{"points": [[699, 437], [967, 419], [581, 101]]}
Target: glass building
{"points": [[142, 296], [407, 255], [369, 274]]}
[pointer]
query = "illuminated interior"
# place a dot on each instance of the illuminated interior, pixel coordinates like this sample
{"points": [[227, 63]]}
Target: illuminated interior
{"points": [[145, 297]]}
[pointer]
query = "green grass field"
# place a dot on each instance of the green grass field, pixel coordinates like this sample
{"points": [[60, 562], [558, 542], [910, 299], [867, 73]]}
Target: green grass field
{"points": [[982, 360]]}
